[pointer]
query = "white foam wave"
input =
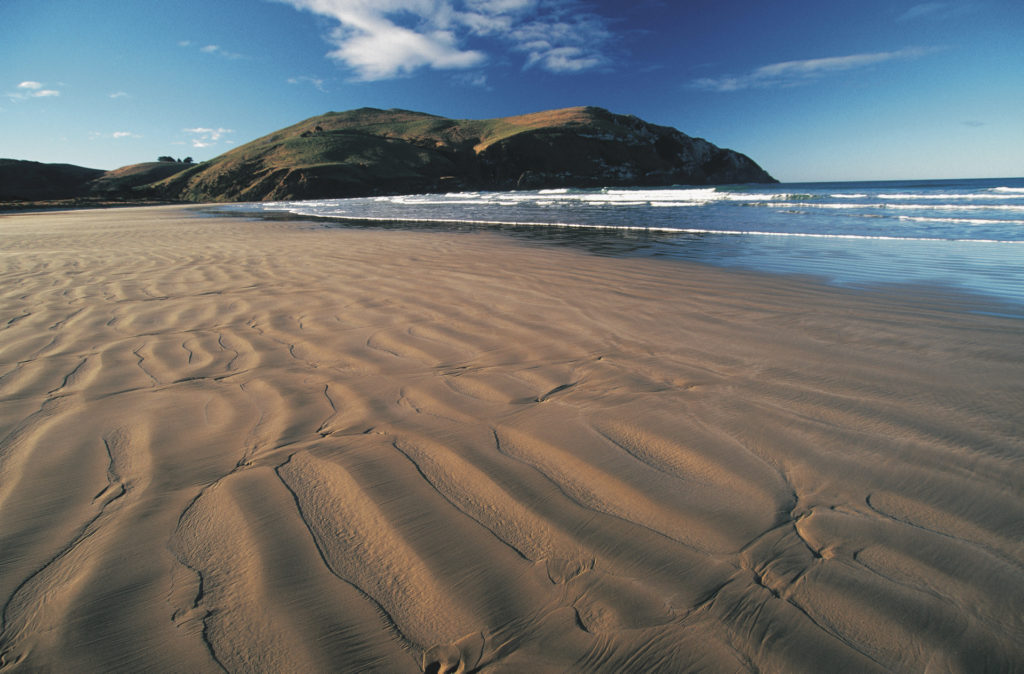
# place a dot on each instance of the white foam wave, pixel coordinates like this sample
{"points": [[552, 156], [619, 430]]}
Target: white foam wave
{"points": [[753, 196], [948, 197], [694, 195], [685, 197], [960, 221], [907, 207], [957, 207], [304, 211], [610, 196], [804, 204]]}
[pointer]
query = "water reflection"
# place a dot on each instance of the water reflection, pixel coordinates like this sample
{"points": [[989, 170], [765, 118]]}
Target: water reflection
{"points": [[993, 271]]}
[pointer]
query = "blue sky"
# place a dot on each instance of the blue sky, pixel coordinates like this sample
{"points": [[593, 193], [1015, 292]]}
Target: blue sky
{"points": [[811, 90]]}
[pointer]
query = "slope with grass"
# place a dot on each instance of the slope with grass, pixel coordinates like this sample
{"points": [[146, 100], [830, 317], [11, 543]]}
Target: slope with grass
{"points": [[32, 185], [125, 181], [369, 151]]}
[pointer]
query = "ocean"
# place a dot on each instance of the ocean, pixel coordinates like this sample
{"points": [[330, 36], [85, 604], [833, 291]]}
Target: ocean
{"points": [[960, 235]]}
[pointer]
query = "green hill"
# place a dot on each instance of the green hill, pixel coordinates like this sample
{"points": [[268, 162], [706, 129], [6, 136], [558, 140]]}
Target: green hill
{"points": [[124, 182], [369, 151]]}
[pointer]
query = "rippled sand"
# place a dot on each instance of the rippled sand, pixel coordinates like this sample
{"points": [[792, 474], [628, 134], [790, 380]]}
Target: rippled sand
{"points": [[267, 446]]}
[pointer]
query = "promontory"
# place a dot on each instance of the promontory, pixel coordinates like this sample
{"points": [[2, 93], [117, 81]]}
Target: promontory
{"points": [[369, 151]]}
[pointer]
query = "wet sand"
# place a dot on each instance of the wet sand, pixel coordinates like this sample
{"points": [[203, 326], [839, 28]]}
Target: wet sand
{"points": [[270, 446]]}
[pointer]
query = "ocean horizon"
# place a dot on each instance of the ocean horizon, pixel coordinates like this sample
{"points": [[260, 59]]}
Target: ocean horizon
{"points": [[963, 236]]}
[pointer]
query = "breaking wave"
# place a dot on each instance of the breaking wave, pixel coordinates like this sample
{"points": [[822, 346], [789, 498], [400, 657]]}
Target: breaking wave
{"points": [[962, 233]]}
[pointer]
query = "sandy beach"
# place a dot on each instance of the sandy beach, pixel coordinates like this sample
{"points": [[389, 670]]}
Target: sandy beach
{"points": [[230, 444]]}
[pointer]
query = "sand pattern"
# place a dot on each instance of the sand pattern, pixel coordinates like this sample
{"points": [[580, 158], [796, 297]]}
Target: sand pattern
{"points": [[268, 446]]}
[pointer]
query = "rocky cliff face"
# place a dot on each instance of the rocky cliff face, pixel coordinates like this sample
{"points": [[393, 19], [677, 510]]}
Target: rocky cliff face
{"points": [[366, 152]]}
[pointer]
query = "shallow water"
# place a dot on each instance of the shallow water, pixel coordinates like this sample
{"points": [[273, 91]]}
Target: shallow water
{"points": [[964, 235]]}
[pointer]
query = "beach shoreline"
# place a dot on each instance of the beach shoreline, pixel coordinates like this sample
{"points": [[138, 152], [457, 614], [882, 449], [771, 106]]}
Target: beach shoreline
{"points": [[961, 235], [260, 444]]}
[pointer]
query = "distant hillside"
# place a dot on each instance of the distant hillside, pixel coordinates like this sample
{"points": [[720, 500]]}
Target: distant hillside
{"points": [[370, 151], [125, 182], [34, 181], [31, 183]]}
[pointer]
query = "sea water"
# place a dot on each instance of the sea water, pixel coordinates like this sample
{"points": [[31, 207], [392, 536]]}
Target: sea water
{"points": [[965, 235]]}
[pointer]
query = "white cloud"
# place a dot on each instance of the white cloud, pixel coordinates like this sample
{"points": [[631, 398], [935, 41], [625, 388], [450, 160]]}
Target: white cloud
{"points": [[31, 89], [214, 134], [472, 79], [394, 50], [563, 41], [308, 79], [792, 73], [117, 135], [382, 39], [214, 49], [120, 94], [220, 51], [205, 137], [563, 59]]}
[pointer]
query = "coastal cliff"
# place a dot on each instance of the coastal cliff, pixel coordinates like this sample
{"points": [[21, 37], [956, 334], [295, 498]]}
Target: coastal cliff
{"points": [[369, 151]]}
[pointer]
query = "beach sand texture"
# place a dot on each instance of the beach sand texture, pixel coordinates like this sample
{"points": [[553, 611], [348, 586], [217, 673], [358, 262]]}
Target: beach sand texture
{"points": [[271, 446]]}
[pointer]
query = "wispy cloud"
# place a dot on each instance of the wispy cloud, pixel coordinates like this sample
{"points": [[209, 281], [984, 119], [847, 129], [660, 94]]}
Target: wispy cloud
{"points": [[564, 40], [120, 94], [220, 51], [923, 9], [316, 82], [116, 135], [793, 73], [937, 11], [383, 39], [472, 79], [205, 137], [213, 49], [31, 89]]}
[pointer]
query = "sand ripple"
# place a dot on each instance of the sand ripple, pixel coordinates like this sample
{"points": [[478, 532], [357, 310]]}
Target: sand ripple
{"points": [[260, 446]]}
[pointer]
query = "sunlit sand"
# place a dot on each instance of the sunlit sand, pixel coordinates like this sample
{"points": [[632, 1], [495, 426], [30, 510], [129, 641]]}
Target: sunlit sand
{"points": [[271, 446]]}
